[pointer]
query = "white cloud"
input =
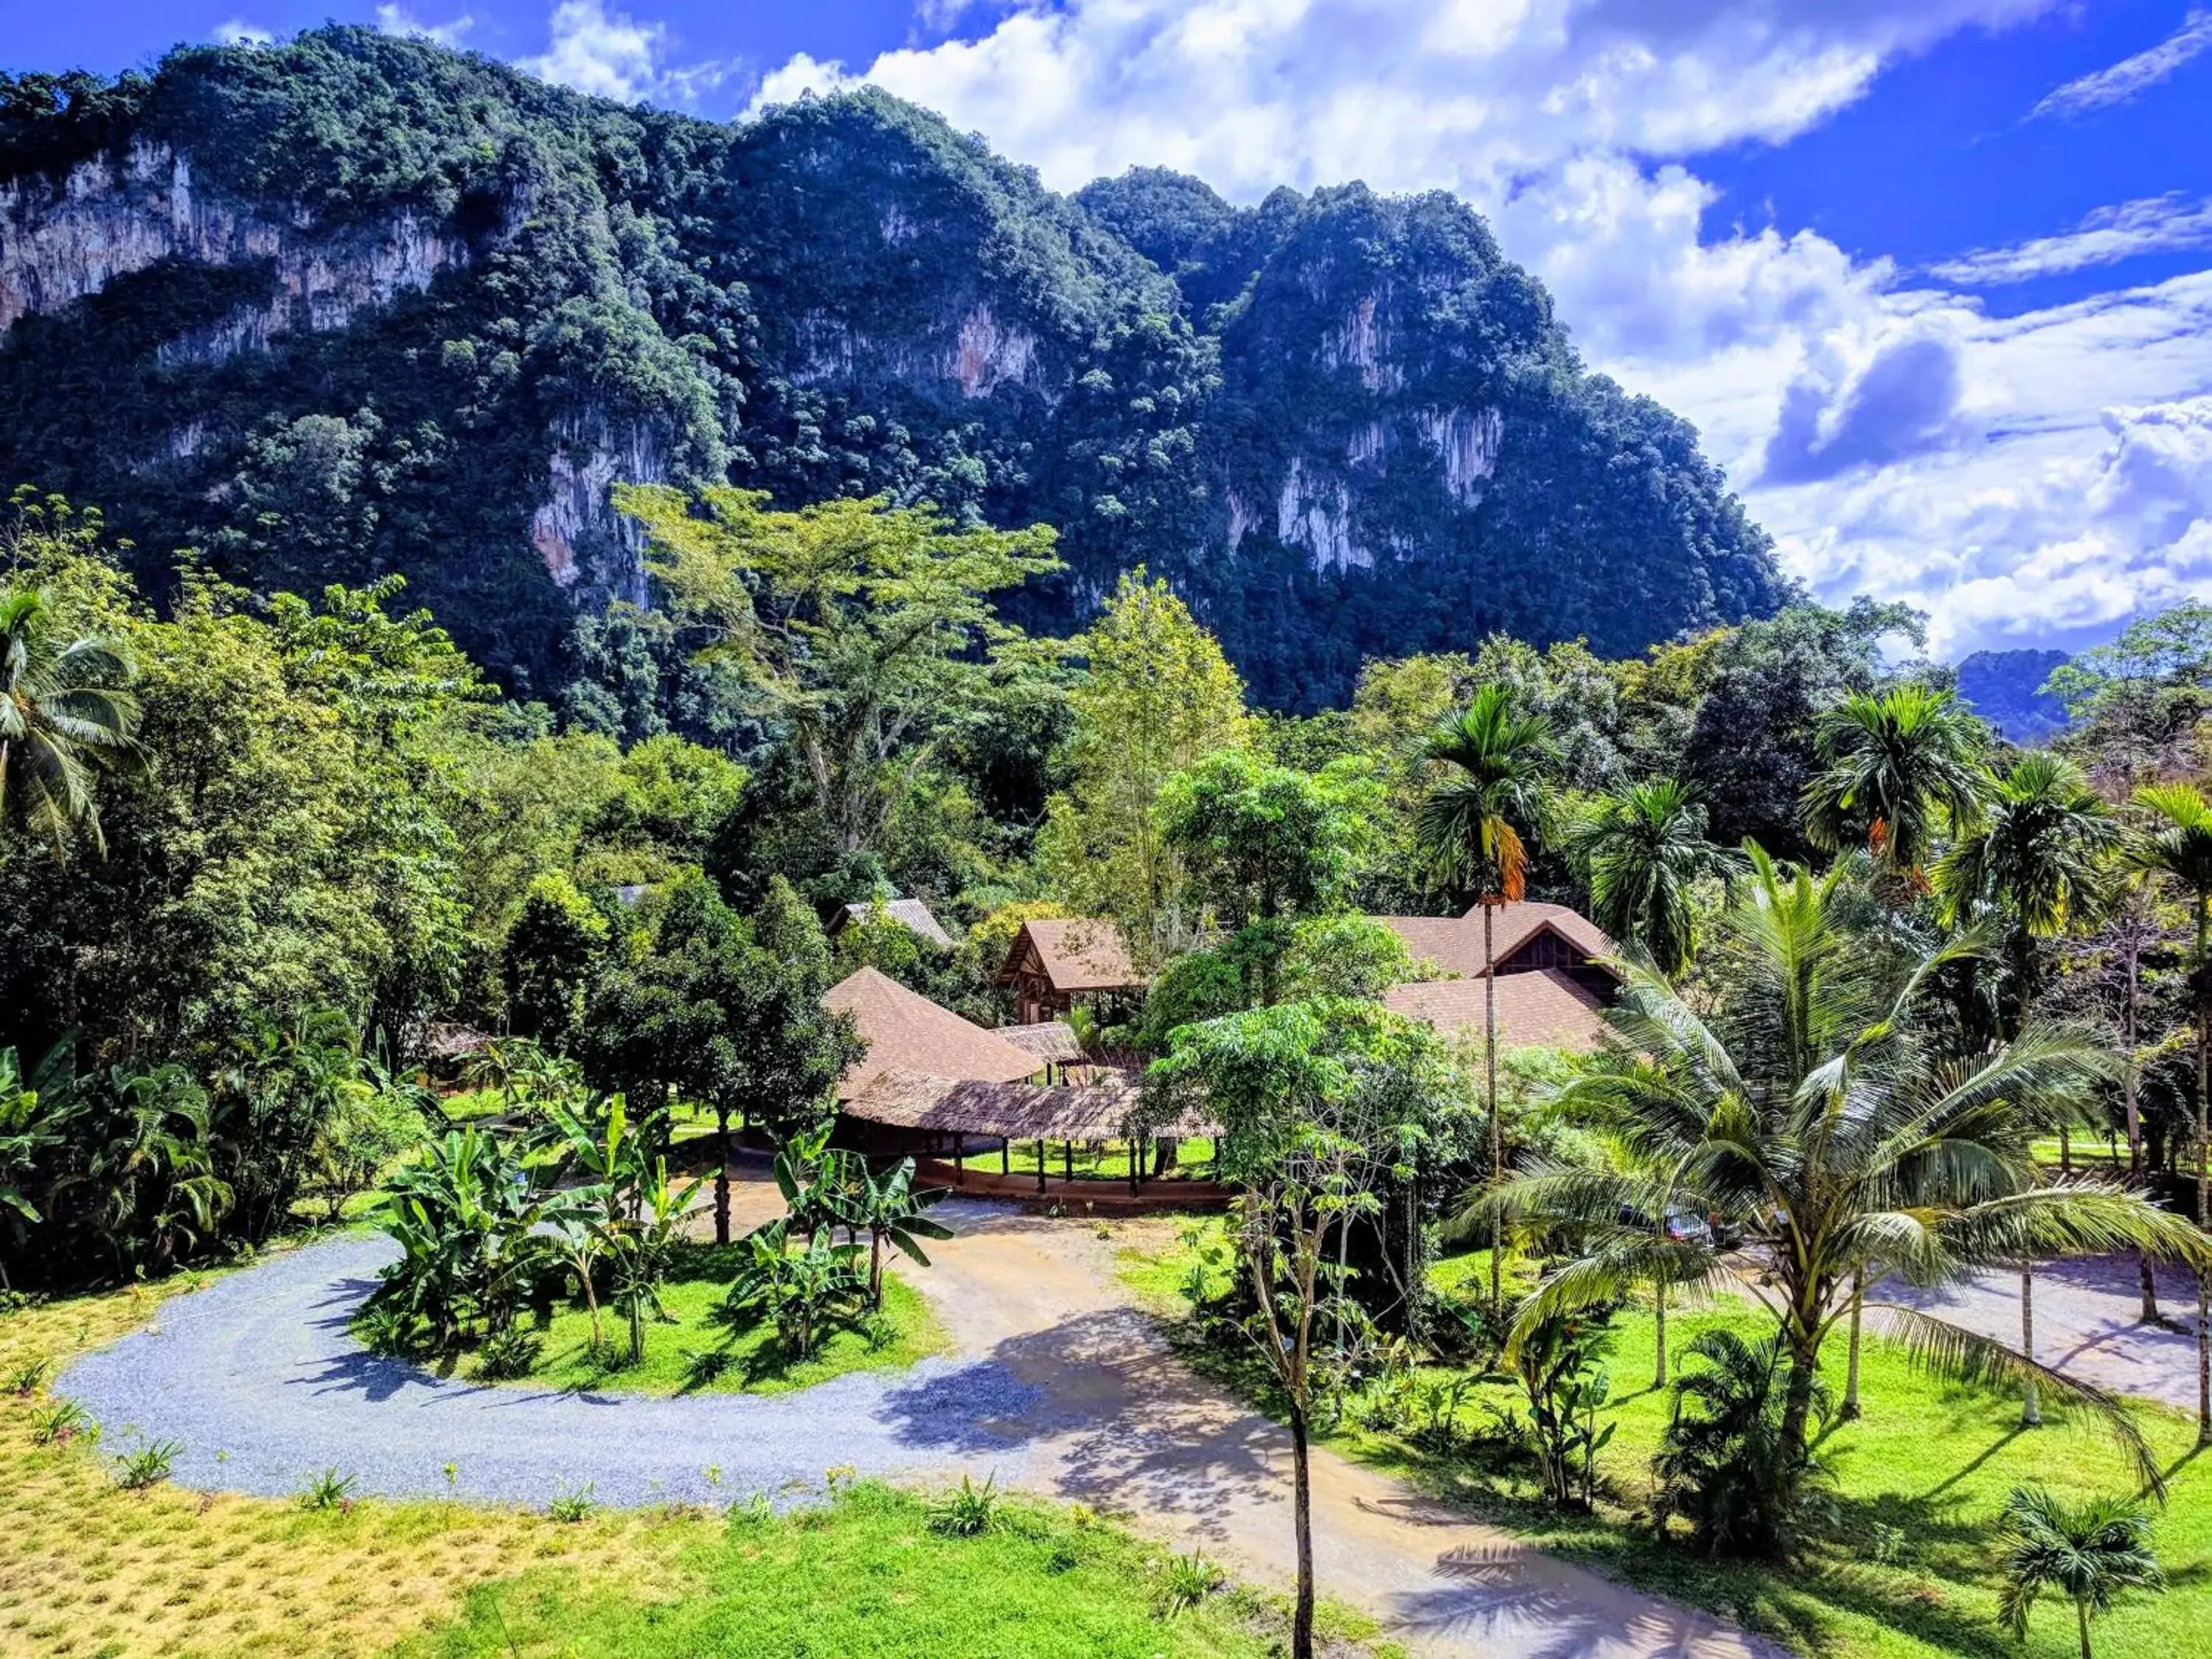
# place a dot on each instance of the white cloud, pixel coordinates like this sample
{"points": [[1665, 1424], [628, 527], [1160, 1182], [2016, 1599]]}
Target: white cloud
{"points": [[2132, 76], [237, 31], [614, 55], [1895, 438], [397, 20], [2151, 224]]}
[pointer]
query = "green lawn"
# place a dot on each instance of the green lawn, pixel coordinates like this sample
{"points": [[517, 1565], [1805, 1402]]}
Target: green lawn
{"points": [[1108, 1161], [755, 1363], [1905, 1567], [869, 1578]]}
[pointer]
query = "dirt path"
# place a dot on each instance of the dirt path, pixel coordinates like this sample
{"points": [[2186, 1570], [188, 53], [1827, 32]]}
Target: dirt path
{"points": [[1118, 1422]]}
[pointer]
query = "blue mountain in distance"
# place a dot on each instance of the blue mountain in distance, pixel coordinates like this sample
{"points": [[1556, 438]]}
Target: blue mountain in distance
{"points": [[2005, 688]]}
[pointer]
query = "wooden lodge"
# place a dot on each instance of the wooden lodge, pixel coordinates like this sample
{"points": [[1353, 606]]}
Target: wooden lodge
{"points": [[1054, 964]]}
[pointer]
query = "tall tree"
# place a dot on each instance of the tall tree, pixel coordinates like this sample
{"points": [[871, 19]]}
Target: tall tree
{"points": [[1808, 1104], [1267, 844], [868, 631], [1900, 768], [1640, 849], [66, 709], [1319, 1103], [2088, 1552], [2039, 858], [1156, 698], [1497, 758], [2179, 847]]}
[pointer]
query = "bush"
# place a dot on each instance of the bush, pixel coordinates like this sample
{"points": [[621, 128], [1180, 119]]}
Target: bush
{"points": [[509, 1354], [329, 1491], [1725, 1466], [969, 1512], [1187, 1581], [149, 1466], [573, 1503]]}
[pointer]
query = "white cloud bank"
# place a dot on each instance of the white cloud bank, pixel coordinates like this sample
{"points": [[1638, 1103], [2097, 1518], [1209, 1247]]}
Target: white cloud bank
{"points": [[2131, 77], [615, 55], [1894, 438]]}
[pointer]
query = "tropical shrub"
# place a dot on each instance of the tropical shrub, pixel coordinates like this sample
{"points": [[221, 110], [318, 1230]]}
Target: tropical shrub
{"points": [[1727, 1463]]}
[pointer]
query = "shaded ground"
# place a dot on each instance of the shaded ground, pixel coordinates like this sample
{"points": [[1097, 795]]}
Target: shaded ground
{"points": [[1056, 1383], [2087, 1323]]}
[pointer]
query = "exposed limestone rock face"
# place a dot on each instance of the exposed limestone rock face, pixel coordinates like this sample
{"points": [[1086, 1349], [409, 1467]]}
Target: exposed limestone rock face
{"points": [[1315, 514], [584, 542], [1467, 442], [988, 354], [108, 221]]}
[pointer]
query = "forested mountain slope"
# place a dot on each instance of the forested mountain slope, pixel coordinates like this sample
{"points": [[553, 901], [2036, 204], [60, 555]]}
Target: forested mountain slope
{"points": [[351, 305]]}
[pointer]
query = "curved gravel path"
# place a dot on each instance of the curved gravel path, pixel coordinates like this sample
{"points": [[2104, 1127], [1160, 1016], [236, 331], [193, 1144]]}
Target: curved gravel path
{"points": [[259, 1378], [1056, 1384]]}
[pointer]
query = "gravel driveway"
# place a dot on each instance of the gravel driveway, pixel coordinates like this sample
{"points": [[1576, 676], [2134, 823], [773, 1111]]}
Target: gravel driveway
{"points": [[260, 1380], [1056, 1384]]}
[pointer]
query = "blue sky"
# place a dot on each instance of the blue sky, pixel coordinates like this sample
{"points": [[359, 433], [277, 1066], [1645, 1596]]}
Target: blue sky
{"points": [[1934, 277]]}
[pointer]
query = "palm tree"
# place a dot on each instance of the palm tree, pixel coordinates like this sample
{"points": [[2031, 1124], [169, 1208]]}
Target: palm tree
{"points": [[2088, 1552], [2038, 857], [2178, 845], [1469, 827], [1640, 850], [1808, 1104], [65, 709], [33, 1112], [1901, 767]]}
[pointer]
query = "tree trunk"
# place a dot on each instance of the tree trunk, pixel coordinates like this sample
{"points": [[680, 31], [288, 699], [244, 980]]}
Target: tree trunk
{"points": [[2081, 1613], [1659, 1317], [1490, 1089], [2031, 1410], [722, 1174], [1302, 1621], [1797, 1401], [875, 1270], [1851, 1409], [2066, 1148], [2204, 1313], [2130, 1083]]}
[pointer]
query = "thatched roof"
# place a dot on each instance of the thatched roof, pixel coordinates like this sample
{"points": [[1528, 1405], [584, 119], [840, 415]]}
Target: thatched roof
{"points": [[1455, 942], [1010, 1111], [1052, 1041], [1075, 953], [911, 913], [1542, 1010], [906, 1030]]}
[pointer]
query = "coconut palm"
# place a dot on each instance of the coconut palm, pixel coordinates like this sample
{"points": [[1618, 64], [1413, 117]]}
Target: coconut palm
{"points": [[1901, 768], [1640, 850], [2039, 858], [2088, 1552], [1469, 827], [1808, 1104], [2177, 846], [66, 709]]}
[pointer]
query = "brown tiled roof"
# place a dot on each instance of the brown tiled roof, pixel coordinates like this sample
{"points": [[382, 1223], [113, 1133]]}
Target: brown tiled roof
{"points": [[1079, 953], [1052, 1040], [908, 1031], [1455, 942], [1539, 1010], [1014, 1111], [912, 912]]}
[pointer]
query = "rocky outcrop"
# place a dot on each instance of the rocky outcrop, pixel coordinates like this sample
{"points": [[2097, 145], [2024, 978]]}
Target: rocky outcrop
{"points": [[988, 354], [1315, 514], [586, 544], [1467, 441], [113, 216]]}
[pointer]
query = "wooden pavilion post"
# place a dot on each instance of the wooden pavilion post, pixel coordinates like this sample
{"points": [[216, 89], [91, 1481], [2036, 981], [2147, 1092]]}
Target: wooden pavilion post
{"points": [[1067, 1160], [959, 1158], [1041, 1162], [1005, 1156]]}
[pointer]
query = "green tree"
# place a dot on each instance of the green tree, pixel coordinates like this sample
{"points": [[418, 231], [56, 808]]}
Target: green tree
{"points": [[2135, 701], [2039, 858], [65, 710], [1641, 849], [1266, 844], [1318, 1102], [1900, 770], [1156, 698], [2178, 847], [1470, 826], [868, 631], [2089, 1553], [1809, 1105], [36, 1111], [550, 954]]}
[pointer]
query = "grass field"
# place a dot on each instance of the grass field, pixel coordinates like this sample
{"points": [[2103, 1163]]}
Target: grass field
{"points": [[1905, 1567], [87, 1568], [751, 1361], [1107, 1161]]}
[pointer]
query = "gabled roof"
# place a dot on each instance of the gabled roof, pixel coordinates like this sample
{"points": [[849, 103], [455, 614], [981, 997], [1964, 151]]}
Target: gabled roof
{"points": [[1077, 953], [908, 1031], [1455, 942], [1539, 1010], [911, 912]]}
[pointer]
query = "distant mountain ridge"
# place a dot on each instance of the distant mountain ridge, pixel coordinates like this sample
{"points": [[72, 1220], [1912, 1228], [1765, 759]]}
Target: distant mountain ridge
{"points": [[350, 304], [2005, 688]]}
